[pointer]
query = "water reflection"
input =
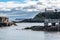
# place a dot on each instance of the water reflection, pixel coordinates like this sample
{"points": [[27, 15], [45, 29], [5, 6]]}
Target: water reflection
{"points": [[52, 35]]}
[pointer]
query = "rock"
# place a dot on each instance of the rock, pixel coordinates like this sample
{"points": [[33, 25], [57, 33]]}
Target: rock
{"points": [[53, 28], [27, 28], [37, 28], [14, 24], [44, 28]]}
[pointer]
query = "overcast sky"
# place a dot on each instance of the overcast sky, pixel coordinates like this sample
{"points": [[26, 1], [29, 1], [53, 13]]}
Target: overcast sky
{"points": [[28, 5], [27, 8]]}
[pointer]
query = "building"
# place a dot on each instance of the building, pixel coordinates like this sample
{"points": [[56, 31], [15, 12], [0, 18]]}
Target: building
{"points": [[51, 10], [52, 16]]}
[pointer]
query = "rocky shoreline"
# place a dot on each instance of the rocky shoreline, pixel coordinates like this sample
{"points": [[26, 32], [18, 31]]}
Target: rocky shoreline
{"points": [[43, 28]]}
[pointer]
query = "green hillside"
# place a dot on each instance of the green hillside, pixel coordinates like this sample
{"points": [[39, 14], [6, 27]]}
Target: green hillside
{"points": [[48, 15]]}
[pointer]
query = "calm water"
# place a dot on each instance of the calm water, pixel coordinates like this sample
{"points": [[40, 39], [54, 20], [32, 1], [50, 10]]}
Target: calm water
{"points": [[15, 33]]}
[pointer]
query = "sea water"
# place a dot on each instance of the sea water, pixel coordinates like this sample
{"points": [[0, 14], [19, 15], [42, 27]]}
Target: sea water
{"points": [[16, 33]]}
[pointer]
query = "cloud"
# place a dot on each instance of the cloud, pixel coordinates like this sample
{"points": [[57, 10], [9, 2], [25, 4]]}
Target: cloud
{"points": [[51, 3], [7, 6], [28, 8], [29, 5]]}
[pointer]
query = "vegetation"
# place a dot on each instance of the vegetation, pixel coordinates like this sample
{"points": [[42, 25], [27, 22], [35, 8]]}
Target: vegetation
{"points": [[48, 15]]}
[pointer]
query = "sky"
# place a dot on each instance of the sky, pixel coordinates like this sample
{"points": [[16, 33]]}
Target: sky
{"points": [[29, 7], [36, 5]]}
